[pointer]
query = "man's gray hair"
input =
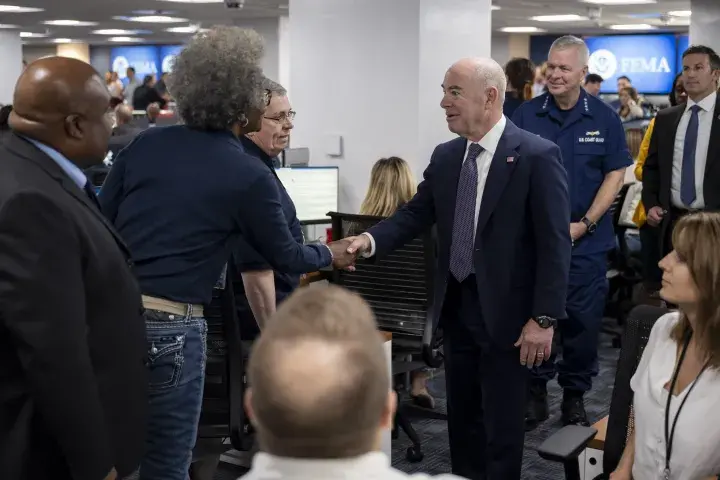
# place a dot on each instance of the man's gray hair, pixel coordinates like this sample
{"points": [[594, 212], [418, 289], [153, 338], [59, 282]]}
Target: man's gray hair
{"points": [[275, 88], [570, 41], [492, 75], [217, 79]]}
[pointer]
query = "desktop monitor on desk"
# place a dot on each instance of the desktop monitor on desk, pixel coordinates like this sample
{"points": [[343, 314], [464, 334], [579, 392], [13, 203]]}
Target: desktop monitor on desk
{"points": [[313, 190]]}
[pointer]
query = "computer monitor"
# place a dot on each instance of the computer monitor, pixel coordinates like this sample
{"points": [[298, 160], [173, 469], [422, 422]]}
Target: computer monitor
{"points": [[314, 191]]}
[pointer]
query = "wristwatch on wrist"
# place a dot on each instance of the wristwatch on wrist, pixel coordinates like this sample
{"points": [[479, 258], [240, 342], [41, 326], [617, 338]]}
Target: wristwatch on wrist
{"points": [[545, 322], [591, 226]]}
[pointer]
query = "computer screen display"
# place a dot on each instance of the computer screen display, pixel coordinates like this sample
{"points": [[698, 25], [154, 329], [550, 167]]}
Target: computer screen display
{"points": [[314, 190], [650, 61]]}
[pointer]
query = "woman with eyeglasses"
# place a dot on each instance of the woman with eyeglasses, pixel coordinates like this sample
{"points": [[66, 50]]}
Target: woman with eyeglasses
{"points": [[262, 288], [183, 198]]}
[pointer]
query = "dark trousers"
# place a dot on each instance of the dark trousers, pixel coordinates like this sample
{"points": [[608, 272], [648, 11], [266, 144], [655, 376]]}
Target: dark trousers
{"points": [[650, 251], [580, 331], [486, 389]]}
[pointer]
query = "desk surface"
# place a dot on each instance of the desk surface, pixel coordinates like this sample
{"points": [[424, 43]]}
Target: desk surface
{"points": [[598, 443]]}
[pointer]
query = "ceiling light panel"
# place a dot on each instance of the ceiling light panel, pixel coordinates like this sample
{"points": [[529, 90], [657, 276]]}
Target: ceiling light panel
{"points": [[5, 25], [125, 39], [194, 1], [559, 18], [119, 32], [62, 40], [680, 13], [632, 26], [153, 19], [32, 35], [620, 2], [70, 23], [16, 9], [521, 30]]}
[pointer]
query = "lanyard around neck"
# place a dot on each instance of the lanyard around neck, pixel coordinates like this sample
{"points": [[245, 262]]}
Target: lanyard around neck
{"points": [[670, 431]]}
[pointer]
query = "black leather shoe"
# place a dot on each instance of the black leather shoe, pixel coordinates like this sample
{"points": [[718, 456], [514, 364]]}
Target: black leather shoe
{"points": [[537, 410], [573, 410]]}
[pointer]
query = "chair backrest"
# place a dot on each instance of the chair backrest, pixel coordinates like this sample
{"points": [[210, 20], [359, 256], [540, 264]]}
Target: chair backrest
{"points": [[398, 287], [223, 415], [620, 422]]}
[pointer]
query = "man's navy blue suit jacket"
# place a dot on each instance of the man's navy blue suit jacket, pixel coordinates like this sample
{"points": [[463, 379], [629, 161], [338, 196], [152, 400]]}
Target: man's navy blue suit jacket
{"points": [[522, 244]]}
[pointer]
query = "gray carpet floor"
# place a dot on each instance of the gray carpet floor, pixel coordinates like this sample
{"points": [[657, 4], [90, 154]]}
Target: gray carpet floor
{"points": [[434, 432]]}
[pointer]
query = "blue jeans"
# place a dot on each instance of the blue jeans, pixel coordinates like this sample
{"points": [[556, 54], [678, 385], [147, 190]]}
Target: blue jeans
{"points": [[177, 355]]}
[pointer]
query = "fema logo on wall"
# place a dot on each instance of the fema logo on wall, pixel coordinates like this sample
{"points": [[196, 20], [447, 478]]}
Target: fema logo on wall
{"points": [[603, 62], [120, 65]]}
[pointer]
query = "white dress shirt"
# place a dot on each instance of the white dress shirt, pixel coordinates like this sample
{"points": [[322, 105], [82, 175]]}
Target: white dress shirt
{"points": [[371, 466], [695, 453], [705, 120], [489, 144]]}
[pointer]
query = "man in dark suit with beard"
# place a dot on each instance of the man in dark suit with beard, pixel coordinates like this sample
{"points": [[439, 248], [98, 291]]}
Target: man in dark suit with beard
{"points": [[499, 198], [72, 337]]}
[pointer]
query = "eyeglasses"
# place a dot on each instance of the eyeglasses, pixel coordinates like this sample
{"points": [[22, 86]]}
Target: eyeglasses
{"points": [[283, 117]]}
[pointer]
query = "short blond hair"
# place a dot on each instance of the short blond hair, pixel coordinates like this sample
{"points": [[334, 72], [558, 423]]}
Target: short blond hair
{"points": [[319, 377]]}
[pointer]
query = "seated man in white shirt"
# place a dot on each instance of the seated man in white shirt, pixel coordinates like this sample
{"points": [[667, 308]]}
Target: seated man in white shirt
{"points": [[320, 397]]}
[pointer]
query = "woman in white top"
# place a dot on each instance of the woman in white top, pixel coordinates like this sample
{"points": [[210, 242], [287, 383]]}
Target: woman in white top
{"points": [[683, 357]]}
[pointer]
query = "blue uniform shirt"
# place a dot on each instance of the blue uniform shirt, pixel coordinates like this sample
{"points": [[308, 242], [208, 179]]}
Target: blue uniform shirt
{"points": [[592, 141], [184, 199], [247, 259]]}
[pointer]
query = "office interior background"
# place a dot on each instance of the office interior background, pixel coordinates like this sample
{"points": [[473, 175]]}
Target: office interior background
{"points": [[365, 76]]}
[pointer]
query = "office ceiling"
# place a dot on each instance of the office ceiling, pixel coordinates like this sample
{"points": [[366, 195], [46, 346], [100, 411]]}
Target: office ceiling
{"points": [[511, 13]]}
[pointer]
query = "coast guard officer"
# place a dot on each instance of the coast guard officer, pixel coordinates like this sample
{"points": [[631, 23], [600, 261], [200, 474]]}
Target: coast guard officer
{"points": [[595, 154]]}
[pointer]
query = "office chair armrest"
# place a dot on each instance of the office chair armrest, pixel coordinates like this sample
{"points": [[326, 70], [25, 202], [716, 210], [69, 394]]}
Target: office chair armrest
{"points": [[567, 443]]}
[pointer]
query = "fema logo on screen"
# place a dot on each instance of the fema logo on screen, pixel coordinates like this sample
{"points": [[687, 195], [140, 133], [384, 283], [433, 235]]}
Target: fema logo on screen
{"points": [[167, 63], [603, 62], [120, 65]]}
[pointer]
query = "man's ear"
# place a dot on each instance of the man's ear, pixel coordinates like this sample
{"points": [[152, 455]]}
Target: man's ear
{"points": [[73, 128]]}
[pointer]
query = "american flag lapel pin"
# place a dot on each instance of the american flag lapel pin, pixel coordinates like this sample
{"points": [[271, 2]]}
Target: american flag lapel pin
{"points": [[510, 159]]}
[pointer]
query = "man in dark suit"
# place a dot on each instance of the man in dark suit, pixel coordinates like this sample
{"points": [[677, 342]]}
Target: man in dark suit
{"points": [[682, 170], [72, 338], [499, 197]]}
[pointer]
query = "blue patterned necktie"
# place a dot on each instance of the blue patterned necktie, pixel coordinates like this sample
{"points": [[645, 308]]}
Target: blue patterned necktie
{"points": [[463, 234], [687, 173]]}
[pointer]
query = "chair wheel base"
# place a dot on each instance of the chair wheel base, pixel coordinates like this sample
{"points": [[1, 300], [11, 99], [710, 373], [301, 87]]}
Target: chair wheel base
{"points": [[414, 454]]}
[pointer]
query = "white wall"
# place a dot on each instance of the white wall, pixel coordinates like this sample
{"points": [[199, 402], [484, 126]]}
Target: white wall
{"points": [[500, 48], [11, 64], [370, 72]]}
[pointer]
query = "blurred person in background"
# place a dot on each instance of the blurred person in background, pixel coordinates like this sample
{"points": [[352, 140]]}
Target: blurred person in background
{"points": [[629, 105], [649, 234], [146, 94], [115, 86], [320, 395], [131, 83], [392, 185], [183, 197], [153, 113], [520, 77], [539, 86], [593, 84], [676, 385]]}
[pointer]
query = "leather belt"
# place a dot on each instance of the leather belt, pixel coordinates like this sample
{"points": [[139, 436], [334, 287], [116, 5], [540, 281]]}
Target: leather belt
{"points": [[173, 308]]}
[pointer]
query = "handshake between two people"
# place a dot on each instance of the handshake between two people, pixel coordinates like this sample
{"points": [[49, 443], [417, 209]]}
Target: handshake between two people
{"points": [[346, 251]]}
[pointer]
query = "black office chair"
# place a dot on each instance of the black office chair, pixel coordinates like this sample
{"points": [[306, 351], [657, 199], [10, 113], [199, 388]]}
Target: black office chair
{"points": [[565, 445], [624, 270], [223, 415], [399, 288]]}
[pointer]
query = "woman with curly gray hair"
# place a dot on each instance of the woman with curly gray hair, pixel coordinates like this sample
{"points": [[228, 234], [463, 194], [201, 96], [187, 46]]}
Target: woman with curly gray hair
{"points": [[182, 198]]}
